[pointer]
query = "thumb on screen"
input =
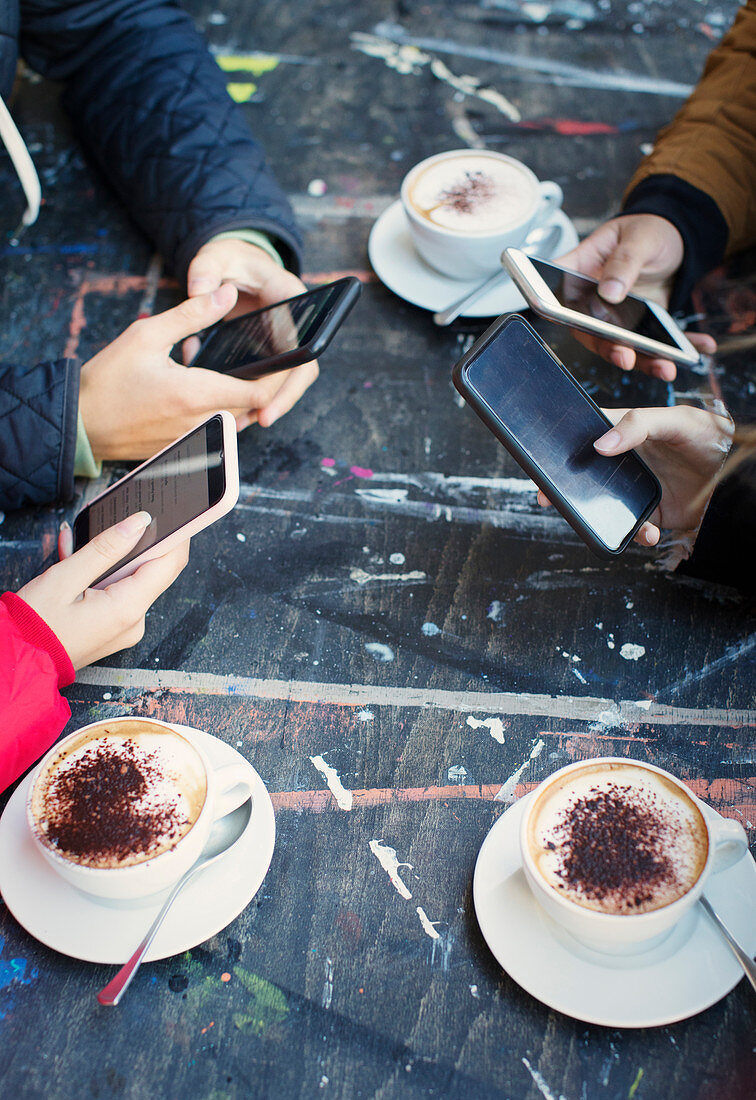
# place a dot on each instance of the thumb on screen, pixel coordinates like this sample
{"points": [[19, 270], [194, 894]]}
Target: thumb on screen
{"points": [[103, 552]]}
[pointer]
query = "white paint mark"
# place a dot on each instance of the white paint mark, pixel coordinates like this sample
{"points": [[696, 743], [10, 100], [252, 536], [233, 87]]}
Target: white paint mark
{"points": [[241, 537], [430, 630], [397, 559], [495, 726], [317, 188], [495, 611], [362, 577], [457, 773], [560, 72], [539, 1082], [506, 793], [365, 715], [107, 695], [386, 856], [380, 651], [632, 652], [644, 704], [384, 496], [579, 676], [610, 641], [336, 787], [577, 708], [428, 926], [475, 993], [327, 985]]}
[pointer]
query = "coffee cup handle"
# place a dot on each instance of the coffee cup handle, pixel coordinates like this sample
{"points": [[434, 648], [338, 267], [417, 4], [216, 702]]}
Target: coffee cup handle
{"points": [[551, 200], [730, 843], [234, 788]]}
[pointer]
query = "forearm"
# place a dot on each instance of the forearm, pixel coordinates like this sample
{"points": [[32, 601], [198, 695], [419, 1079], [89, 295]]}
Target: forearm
{"points": [[33, 668], [711, 143], [151, 107], [38, 416]]}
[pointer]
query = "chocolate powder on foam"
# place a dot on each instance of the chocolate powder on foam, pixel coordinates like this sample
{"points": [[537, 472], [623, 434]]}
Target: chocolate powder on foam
{"points": [[615, 843], [464, 197], [93, 812]]}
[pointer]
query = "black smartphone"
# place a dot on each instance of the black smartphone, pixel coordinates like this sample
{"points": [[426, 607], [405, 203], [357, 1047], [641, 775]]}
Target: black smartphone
{"points": [[548, 423], [185, 487], [279, 336]]}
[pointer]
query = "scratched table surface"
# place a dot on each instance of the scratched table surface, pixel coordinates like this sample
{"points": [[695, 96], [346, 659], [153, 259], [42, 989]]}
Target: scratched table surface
{"points": [[387, 626]]}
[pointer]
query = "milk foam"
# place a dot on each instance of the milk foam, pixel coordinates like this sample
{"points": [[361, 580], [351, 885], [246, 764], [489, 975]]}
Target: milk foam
{"points": [[618, 839], [115, 826], [473, 193]]}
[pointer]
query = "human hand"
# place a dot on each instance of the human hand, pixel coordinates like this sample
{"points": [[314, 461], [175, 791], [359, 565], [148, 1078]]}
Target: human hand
{"points": [[639, 253], [260, 282], [134, 399], [93, 623], [684, 446]]}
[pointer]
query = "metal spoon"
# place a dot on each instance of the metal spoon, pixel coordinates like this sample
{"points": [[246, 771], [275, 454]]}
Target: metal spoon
{"points": [[224, 834], [540, 240], [740, 953]]}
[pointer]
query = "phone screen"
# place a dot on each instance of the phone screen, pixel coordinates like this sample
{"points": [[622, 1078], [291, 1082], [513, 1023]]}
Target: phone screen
{"points": [[175, 487], [274, 331], [554, 422], [577, 292]]}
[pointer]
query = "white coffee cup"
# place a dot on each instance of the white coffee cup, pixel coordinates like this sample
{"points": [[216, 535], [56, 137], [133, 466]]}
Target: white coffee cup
{"points": [[466, 206], [154, 798], [607, 814]]}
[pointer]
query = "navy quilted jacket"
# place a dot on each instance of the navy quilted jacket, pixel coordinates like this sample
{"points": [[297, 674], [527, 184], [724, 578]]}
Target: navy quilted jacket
{"points": [[151, 108]]}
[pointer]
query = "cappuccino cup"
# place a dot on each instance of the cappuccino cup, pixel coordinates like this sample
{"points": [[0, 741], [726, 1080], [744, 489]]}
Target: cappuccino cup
{"points": [[122, 808], [616, 852], [465, 207]]}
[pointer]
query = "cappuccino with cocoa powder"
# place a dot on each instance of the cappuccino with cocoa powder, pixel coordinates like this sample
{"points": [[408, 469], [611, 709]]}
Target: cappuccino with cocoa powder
{"points": [[473, 192], [120, 793], [617, 838]]}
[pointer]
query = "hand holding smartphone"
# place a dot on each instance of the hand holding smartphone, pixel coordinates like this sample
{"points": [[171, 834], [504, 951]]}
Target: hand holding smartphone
{"points": [[186, 487], [569, 298], [280, 336], [549, 424]]}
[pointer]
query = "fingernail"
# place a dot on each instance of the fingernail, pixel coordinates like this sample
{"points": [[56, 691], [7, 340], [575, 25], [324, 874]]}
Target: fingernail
{"points": [[134, 525], [199, 285], [220, 295], [613, 290], [608, 441], [65, 526]]}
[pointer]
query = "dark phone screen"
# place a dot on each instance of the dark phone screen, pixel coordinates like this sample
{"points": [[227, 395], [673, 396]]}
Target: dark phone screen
{"points": [[551, 418], [174, 488], [576, 292], [257, 336]]}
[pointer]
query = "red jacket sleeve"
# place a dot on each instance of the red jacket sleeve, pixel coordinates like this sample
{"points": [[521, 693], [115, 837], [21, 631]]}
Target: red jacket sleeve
{"points": [[33, 667]]}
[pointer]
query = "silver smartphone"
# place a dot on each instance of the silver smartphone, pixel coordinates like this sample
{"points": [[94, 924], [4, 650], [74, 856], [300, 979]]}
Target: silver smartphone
{"points": [[572, 299]]}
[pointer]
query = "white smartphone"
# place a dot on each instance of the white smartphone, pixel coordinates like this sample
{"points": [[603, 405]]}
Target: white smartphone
{"points": [[571, 299], [185, 487]]}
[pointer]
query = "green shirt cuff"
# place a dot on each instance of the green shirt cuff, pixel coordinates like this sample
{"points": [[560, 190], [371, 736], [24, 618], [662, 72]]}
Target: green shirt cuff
{"points": [[84, 461], [251, 236]]}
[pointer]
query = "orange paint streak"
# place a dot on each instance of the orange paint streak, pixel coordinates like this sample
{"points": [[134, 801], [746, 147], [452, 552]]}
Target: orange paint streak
{"points": [[731, 797]]}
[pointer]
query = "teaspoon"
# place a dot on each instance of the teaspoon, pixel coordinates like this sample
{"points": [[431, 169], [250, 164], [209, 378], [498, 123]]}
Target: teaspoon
{"points": [[540, 240], [224, 834], [740, 953]]}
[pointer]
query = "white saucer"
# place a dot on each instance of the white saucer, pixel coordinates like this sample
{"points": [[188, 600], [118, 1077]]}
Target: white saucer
{"points": [[63, 918], [693, 969], [399, 266]]}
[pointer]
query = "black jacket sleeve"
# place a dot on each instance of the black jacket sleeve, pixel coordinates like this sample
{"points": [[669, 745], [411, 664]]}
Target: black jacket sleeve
{"points": [[725, 548], [38, 418], [697, 218], [151, 108]]}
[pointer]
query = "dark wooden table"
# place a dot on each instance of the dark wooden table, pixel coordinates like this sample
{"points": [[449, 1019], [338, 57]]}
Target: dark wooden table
{"points": [[361, 611]]}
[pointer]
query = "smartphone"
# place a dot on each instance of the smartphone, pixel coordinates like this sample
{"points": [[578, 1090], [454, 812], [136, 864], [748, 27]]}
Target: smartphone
{"points": [[279, 336], [186, 487], [549, 424], [571, 299]]}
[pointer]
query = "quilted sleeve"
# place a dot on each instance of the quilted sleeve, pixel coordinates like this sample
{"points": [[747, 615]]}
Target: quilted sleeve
{"points": [[151, 108], [38, 417]]}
